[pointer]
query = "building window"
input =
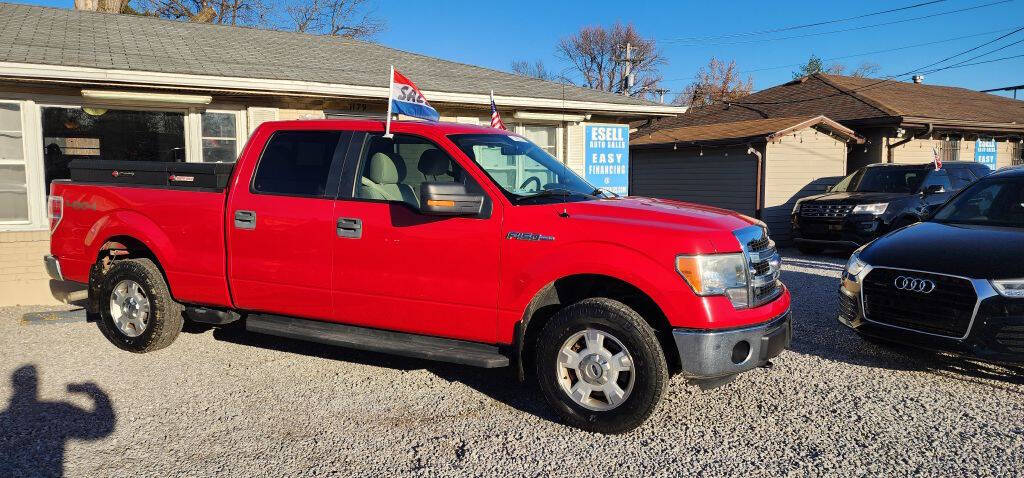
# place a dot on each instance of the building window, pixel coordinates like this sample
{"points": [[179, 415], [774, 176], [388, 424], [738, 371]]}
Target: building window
{"points": [[98, 133], [13, 177], [544, 136], [220, 141], [950, 150]]}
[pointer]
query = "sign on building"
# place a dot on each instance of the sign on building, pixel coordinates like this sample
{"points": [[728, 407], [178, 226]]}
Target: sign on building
{"points": [[606, 158], [985, 152]]}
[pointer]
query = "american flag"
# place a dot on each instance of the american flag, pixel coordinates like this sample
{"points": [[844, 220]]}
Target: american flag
{"points": [[496, 121], [937, 159]]}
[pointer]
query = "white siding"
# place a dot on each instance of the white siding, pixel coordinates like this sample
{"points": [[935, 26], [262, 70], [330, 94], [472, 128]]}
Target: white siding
{"points": [[798, 165]]}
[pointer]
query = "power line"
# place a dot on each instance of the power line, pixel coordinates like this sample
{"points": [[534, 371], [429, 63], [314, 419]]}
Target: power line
{"points": [[867, 53], [950, 67], [890, 77], [807, 25], [863, 27]]}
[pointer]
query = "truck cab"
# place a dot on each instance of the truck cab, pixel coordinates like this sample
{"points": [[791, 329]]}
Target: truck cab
{"points": [[441, 241]]}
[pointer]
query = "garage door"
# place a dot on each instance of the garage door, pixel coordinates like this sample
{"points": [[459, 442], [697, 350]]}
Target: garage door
{"points": [[720, 181]]}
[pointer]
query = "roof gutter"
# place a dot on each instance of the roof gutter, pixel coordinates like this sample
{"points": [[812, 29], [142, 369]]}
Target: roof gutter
{"points": [[909, 138], [984, 126], [151, 79]]}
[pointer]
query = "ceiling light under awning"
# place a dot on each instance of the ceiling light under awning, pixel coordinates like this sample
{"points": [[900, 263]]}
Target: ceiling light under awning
{"points": [[144, 97], [530, 115]]}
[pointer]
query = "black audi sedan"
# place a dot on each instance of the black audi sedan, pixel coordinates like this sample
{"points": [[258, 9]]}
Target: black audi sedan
{"points": [[954, 282], [876, 199]]}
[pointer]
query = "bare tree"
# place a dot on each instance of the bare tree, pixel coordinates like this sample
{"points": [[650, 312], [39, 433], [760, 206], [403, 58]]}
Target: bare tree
{"points": [[716, 82], [347, 18], [533, 70], [864, 70], [598, 54], [225, 12], [104, 6]]}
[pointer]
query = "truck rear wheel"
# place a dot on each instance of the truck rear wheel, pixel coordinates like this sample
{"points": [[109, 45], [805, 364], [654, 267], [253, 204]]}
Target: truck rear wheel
{"points": [[137, 312], [600, 366]]}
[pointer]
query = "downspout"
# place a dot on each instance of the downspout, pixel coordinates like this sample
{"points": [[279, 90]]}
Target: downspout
{"points": [[757, 190], [891, 147]]}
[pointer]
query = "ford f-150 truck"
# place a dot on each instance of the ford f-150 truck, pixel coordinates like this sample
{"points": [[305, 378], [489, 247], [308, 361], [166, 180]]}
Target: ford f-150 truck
{"points": [[440, 241]]}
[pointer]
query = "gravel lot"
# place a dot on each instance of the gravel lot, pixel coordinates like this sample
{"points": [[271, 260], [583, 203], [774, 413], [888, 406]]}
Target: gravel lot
{"points": [[226, 403]]}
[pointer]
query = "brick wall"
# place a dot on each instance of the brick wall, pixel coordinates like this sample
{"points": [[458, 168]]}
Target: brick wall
{"points": [[23, 278]]}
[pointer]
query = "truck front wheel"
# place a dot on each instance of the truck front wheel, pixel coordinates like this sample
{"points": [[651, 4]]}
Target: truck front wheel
{"points": [[137, 312], [600, 366]]}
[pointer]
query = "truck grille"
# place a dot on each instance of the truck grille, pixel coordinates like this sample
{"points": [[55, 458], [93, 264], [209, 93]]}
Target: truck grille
{"points": [[945, 310], [764, 264], [825, 210]]}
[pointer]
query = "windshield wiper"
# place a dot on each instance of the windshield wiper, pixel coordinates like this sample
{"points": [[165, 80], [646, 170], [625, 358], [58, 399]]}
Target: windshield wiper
{"points": [[551, 193], [599, 191]]}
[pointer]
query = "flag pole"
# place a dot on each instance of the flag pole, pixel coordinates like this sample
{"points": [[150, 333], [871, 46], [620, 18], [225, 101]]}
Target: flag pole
{"points": [[391, 87]]}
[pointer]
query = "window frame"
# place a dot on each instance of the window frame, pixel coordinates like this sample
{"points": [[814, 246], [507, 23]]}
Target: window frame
{"points": [[353, 169], [241, 131], [332, 188], [32, 172]]}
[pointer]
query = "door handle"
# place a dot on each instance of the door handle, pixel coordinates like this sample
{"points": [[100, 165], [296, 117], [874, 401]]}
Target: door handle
{"points": [[245, 219], [350, 227]]}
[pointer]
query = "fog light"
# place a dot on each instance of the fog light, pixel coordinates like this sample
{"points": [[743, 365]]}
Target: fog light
{"points": [[740, 352]]}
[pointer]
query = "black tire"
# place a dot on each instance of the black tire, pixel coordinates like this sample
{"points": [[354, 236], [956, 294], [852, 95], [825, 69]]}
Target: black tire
{"points": [[629, 328], [165, 315], [810, 249]]}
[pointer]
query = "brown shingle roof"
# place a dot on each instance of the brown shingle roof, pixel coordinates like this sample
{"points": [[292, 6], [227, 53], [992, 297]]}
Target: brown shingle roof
{"points": [[849, 100], [766, 128]]}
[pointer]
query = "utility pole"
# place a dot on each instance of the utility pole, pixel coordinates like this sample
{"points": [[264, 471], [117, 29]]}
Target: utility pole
{"points": [[627, 70], [661, 93]]}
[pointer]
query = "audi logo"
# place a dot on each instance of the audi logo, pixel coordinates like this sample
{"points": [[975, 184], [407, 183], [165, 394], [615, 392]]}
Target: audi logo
{"points": [[913, 284]]}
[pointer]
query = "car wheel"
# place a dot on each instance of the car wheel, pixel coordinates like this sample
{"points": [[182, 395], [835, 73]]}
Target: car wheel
{"points": [[809, 249], [600, 366], [137, 312]]}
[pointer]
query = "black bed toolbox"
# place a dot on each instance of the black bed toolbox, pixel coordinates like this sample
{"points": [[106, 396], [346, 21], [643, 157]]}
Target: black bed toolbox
{"points": [[152, 173]]}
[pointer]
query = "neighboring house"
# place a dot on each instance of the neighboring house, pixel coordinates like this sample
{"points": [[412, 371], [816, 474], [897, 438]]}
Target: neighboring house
{"points": [[757, 167], [900, 121], [880, 121], [79, 84]]}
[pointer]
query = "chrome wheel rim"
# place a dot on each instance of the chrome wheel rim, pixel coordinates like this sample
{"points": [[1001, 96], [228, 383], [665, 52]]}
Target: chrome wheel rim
{"points": [[129, 307], [595, 370]]}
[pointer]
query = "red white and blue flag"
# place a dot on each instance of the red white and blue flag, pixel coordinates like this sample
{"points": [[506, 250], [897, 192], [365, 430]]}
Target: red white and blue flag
{"points": [[936, 159], [405, 98], [496, 121]]}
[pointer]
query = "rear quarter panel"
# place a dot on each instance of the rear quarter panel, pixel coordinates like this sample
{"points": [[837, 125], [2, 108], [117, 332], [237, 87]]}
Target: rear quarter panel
{"points": [[183, 228]]}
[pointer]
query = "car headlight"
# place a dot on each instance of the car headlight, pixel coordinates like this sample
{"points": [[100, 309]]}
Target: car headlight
{"points": [[716, 274], [854, 266], [1010, 287], [876, 209]]}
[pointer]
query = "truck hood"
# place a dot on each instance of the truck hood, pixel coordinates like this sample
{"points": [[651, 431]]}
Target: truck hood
{"points": [[855, 197], [979, 252], [664, 216]]}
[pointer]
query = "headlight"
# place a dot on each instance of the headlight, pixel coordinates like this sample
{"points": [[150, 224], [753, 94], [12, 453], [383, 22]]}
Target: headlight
{"points": [[855, 265], [716, 274], [876, 209], [1009, 288]]}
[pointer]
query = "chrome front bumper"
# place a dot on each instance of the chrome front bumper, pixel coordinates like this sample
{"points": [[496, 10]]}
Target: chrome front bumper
{"points": [[714, 353]]}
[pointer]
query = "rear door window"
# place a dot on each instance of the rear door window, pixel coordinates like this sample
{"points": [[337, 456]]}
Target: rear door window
{"points": [[301, 163]]}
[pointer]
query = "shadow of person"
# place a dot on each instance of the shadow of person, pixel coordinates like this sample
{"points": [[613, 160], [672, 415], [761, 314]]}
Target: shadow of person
{"points": [[33, 433]]}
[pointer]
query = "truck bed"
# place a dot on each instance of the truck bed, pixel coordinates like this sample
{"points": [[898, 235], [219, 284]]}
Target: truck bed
{"points": [[183, 220]]}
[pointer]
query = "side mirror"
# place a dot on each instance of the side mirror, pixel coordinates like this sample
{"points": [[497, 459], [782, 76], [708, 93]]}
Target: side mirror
{"points": [[449, 199], [933, 189], [828, 187]]}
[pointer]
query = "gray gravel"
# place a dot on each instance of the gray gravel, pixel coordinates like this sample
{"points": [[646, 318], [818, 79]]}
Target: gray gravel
{"points": [[224, 403]]}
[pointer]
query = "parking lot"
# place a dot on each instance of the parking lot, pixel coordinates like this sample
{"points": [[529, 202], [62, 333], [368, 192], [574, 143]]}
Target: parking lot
{"points": [[226, 403]]}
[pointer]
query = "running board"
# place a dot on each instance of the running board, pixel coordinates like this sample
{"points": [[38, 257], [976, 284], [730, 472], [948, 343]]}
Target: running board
{"points": [[376, 340]]}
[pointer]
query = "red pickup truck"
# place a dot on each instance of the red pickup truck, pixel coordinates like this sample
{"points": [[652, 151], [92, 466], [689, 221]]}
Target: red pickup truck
{"points": [[440, 241]]}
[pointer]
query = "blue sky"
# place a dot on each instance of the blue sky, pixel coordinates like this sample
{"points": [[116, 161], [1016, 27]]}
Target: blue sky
{"points": [[495, 34]]}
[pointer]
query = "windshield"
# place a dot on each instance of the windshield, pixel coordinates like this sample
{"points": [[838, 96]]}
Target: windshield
{"points": [[522, 169], [882, 180], [997, 202]]}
